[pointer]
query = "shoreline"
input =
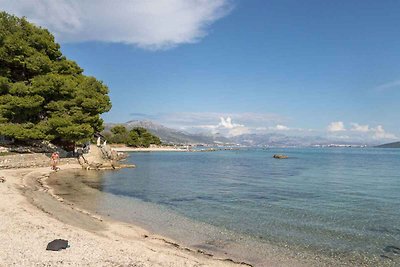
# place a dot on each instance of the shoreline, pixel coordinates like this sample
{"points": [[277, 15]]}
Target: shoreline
{"points": [[32, 215], [220, 248], [148, 149]]}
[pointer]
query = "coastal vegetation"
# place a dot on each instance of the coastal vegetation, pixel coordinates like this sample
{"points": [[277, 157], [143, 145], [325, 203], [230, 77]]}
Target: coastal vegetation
{"points": [[136, 137], [44, 95]]}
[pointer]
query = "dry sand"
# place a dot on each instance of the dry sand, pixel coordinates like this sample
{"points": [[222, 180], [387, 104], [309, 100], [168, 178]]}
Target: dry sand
{"points": [[30, 217]]}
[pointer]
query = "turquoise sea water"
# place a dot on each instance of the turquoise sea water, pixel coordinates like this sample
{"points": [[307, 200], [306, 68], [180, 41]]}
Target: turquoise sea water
{"points": [[342, 203]]}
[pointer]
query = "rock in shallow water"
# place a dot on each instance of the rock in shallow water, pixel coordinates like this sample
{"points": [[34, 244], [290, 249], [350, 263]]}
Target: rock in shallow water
{"points": [[278, 156], [392, 249]]}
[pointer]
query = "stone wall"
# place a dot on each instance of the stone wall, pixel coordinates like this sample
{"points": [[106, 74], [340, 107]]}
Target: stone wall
{"points": [[30, 160], [97, 158]]}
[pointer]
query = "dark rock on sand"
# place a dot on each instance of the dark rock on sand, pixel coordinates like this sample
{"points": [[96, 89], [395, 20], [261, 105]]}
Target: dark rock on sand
{"points": [[57, 245]]}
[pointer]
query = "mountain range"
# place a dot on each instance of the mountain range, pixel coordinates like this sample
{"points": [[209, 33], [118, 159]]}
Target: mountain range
{"points": [[174, 136]]}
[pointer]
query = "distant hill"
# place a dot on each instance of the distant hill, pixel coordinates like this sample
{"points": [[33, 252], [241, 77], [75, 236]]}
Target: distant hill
{"points": [[168, 135], [390, 145]]}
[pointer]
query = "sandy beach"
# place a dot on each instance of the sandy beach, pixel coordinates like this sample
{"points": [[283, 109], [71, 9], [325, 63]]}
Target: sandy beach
{"points": [[31, 216]]}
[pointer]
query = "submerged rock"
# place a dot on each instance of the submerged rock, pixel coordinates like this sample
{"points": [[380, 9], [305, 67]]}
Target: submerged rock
{"points": [[278, 156], [392, 249]]}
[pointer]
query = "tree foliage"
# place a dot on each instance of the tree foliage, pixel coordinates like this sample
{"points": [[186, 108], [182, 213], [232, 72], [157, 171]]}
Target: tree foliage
{"points": [[43, 95], [119, 135], [137, 137]]}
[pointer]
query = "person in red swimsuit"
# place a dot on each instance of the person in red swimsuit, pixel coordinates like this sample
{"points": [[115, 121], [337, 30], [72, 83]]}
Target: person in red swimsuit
{"points": [[54, 160]]}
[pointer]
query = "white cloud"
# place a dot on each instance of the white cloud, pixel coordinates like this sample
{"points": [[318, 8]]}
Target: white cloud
{"points": [[227, 123], [362, 131], [238, 131], [226, 127], [380, 133], [280, 127], [336, 126], [389, 85], [150, 24], [355, 127], [232, 128]]}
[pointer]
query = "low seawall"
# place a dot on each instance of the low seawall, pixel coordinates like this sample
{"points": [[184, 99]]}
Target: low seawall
{"points": [[17, 161]]}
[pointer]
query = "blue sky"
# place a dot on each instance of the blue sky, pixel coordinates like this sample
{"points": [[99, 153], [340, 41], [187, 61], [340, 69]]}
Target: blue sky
{"points": [[301, 67]]}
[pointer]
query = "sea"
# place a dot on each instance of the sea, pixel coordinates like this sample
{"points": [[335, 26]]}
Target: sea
{"points": [[320, 207]]}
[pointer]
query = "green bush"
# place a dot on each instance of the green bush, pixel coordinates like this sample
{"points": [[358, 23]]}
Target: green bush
{"points": [[137, 137]]}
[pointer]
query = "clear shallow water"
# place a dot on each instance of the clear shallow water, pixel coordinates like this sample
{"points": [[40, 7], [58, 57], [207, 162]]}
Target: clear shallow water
{"points": [[339, 203]]}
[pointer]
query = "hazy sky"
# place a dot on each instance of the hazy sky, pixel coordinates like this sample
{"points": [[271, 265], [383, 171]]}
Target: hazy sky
{"points": [[302, 67]]}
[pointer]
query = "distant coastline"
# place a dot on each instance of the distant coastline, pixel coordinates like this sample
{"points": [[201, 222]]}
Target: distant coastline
{"points": [[390, 145]]}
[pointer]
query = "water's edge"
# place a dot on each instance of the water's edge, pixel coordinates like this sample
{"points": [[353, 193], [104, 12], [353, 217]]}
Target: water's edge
{"points": [[85, 189], [83, 195]]}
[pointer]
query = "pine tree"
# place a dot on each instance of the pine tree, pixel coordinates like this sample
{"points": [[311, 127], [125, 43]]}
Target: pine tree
{"points": [[43, 95]]}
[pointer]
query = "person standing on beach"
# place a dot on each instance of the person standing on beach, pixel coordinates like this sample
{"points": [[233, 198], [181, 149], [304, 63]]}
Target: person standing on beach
{"points": [[54, 160]]}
